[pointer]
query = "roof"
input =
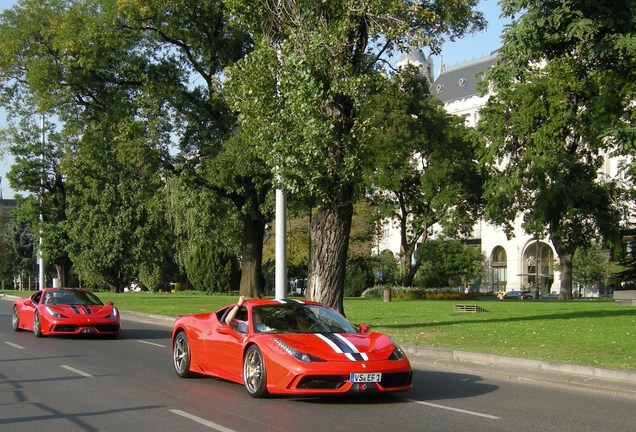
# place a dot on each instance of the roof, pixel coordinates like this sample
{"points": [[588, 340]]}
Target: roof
{"points": [[461, 82], [413, 55]]}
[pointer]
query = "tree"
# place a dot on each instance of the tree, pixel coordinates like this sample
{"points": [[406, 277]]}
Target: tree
{"points": [[192, 43], [553, 104], [449, 262], [426, 172], [299, 92], [161, 64], [591, 267]]}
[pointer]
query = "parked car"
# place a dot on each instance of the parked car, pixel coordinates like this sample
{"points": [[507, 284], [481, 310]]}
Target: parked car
{"points": [[289, 347], [519, 295], [65, 311], [550, 296]]}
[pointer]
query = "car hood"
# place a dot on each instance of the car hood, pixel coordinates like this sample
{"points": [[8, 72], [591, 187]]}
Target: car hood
{"points": [[75, 310], [341, 346]]}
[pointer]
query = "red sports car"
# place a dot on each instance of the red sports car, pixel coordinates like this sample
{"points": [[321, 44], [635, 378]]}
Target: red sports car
{"points": [[290, 347], [65, 311]]}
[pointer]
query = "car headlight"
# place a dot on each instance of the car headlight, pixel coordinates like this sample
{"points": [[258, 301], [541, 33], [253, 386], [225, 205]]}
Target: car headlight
{"points": [[299, 355], [114, 313], [53, 313], [397, 353]]}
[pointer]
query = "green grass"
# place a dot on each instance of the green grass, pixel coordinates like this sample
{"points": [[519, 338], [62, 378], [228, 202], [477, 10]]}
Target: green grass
{"points": [[596, 333]]}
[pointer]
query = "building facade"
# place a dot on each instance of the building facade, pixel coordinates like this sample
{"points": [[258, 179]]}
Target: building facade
{"points": [[522, 262]]}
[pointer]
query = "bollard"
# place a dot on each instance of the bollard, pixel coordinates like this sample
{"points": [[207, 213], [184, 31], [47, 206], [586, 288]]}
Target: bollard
{"points": [[387, 294]]}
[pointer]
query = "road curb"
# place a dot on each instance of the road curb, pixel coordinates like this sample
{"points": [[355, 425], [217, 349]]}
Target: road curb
{"points": [[538, 370]]}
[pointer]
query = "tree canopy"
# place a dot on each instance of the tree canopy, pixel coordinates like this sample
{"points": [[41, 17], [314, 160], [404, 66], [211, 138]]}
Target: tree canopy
{"points": [[299, 95], [547, 123]]}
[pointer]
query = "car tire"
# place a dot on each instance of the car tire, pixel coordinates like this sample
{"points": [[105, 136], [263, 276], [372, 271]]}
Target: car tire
{"points": [[15, 320], [181, 355], [37, 325], [254, 375]]}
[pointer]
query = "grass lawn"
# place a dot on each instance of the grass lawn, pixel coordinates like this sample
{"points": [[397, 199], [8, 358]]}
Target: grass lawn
{"points": [[596, 333]]}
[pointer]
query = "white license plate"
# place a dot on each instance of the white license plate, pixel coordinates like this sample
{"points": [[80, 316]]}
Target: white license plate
{"points": [[365, 377]]}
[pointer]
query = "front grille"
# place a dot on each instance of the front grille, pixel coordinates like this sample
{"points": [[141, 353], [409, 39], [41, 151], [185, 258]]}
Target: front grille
{"points": [[71, 328], [322, 382], [65, 328], [399, 379]]}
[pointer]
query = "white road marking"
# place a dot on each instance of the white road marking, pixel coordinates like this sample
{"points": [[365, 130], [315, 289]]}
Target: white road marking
{"points": [[151, 343], [478, 414], [202, 421], [14, 345], [77, 371]]}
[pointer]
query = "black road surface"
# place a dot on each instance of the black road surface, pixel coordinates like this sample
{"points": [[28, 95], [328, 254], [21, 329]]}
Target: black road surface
{"points": [[128, 384]]}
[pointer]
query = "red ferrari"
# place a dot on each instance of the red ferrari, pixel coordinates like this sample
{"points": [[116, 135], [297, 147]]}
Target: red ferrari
{"points": [[289, 347], [65, 311]]}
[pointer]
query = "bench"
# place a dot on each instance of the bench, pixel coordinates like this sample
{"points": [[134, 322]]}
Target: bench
{"points": [[469, 308]]}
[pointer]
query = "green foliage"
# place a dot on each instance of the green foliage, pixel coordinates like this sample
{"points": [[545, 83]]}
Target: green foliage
{"points": [[591, 266], [211, 268], [426, 171], [359, 276], [563, 84], [449, 263], [299, 93]]}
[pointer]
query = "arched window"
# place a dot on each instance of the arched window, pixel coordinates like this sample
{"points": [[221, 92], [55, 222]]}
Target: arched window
{"points": [[538, 266], [499, 267]]}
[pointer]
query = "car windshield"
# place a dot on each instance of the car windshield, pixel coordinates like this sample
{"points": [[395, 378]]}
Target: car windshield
{"points": [[73, 297], [299, 318]]}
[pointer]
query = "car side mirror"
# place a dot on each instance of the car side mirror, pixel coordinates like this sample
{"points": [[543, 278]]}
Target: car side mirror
{"points": [[110, 303], [228, 330], [363, 328]]}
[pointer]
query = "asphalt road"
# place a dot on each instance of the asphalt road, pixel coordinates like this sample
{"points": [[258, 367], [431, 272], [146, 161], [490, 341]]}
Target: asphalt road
{"points": [[127, 384]]}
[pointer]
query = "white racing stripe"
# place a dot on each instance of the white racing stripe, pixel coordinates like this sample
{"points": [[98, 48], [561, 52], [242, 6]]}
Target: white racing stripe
{"points": [[77, 371], [202, 421], [352, 346], [474, 413], [333, 346]]}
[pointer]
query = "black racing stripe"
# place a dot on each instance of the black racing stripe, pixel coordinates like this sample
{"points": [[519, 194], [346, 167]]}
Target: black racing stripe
{"points": [[357, 356], [341, 344], [75, 309], [87, 309]]}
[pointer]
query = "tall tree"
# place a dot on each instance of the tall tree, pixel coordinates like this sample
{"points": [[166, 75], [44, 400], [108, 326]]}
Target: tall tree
{"points": [[553, 102], [192, 43], [299, 96], [426, 170]]}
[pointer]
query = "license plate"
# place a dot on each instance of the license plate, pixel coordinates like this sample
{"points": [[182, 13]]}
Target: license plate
{"points": [[365, 377]]}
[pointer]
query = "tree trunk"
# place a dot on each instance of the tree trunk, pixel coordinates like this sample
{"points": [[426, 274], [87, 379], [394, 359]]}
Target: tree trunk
{"points": [[251, 268], [330, 228], [565, 259]]}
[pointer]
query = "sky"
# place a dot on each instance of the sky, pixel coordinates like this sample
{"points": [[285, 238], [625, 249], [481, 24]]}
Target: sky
{"points": [[467, 49]]}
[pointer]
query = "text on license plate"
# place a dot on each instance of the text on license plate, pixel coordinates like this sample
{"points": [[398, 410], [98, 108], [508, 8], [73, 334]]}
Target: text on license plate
{"points": [[365, 377]]}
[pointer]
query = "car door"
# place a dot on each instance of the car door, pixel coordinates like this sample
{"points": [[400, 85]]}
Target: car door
{"points": [[224, 347], [28, 310]]}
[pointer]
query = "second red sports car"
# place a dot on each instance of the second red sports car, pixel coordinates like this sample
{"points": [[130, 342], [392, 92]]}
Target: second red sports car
{"points": [[288, 347], [65, 311]]}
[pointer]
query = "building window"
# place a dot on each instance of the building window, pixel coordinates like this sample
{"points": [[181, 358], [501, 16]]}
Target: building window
{"points": [[499, 268], [539, 267], [622, 169]]}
